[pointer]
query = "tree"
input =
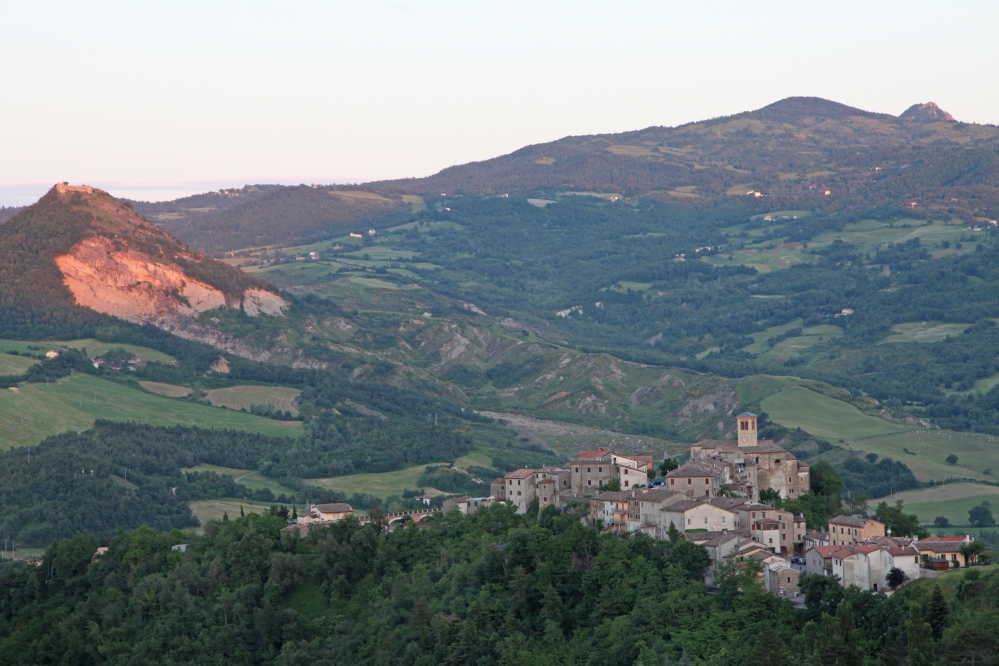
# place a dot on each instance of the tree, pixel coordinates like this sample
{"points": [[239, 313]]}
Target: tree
{"points": [[241, 513], [901, 523], [667, 466], [920, 638], [972, 550], [937, 612], [858, 504], [770, 496], [611, 486], [981, 516], [872, 458], [952, 459], [941, 521], [895, 578]]}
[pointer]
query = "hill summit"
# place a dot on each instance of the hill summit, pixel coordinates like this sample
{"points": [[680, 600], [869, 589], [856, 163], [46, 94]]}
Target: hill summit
{"points": [[89, 249], [926, 113]]}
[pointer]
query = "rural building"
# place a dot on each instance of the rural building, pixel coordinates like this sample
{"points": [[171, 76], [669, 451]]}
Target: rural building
{"points": [[851, 530], [945, 548], [467, 505], [779, 577], [521, 488], [590, 470], [697, 478], [326, 513]]}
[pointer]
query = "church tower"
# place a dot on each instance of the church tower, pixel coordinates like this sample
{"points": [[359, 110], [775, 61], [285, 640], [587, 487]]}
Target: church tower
{"points": [[746, 429]]}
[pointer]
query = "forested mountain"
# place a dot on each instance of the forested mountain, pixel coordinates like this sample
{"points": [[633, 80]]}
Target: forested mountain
{"points": [[792, 152], [260, 215], [7, 212]]}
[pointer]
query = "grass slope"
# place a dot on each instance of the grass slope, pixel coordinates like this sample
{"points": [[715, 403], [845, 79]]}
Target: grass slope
{"points": [[930, 448], [380, 485], [39, 410], [825, 417], [242, 397]]}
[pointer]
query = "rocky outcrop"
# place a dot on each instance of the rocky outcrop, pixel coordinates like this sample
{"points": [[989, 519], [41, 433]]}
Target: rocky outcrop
{"points": [[927, 113], [130, 285]]}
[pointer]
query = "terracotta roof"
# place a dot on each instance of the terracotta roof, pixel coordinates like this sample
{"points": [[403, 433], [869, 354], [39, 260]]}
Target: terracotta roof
{"points": [[944, 539], [697, 468], [520, 474], [337, 507], [825, 551], [747, 414], [799, 519], [728, 503], [551, 481], [683, 505], [554, 470], [851, 521], [940, 546], [719, 540], [614, 495], [591, 455], [902, 551], [843, 553], [763, 446], [864, 548], [647, 459], [655, 495], [499, 480], [757, 507]]}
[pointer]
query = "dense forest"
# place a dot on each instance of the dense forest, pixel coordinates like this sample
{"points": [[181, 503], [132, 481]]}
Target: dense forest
{"points": [[489, 588]]}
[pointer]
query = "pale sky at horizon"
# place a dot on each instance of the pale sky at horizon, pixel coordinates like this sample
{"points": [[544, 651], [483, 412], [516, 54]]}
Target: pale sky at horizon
{"points": [[156, 100]]}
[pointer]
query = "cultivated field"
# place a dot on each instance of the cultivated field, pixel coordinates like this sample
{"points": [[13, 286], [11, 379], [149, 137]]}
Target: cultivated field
{"points": [[379, 485], [15, 365], [825, 417], [168, 390], [930, 448], [242, 397], [36, 411], [96, 348], [926, 331]]}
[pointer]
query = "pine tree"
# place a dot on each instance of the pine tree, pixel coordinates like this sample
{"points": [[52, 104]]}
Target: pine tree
{"points": [[225, 516], [241, 514], [937, 613], [920, 639], [294, 513]]}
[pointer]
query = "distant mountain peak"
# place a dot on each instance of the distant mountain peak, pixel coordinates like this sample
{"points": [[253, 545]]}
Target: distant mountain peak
{"points": [[816, 107], [927, 113]]}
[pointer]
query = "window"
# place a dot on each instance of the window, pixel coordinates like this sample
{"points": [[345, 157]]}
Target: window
{"points": [[705, 520], [672, 482], [757, 459], [587, 470], [771, 540], [705, 481], [577, 469], [518, 492], [626, 472], [688, 521], [723, 520], [689, 481], [600, 469], [589, 483]]}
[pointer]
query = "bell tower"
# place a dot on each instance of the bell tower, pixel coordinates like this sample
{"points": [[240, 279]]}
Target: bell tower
{"points": [[746, 429]]}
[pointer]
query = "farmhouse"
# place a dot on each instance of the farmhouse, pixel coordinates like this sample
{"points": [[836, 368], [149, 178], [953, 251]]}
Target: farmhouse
{"points": [[850, 530], [326, 513]]}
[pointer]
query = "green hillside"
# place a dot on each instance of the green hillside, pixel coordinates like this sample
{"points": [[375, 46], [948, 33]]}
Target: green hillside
{"points": [[36, 411]]}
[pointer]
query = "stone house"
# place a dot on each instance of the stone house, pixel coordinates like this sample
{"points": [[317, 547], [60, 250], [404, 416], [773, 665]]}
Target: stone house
{"points": [[779, 577], [697, 478], [589, 470], [612, 509], [521, 488], [850, 530], [326, 513], [818, 560]]}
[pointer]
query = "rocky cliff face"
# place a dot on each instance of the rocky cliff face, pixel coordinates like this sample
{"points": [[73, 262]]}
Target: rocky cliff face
{"points": [[114, 261], [926, 113]]}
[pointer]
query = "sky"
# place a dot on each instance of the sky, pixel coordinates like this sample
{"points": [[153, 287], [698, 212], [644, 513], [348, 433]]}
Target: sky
{"points": [[154, 100]]}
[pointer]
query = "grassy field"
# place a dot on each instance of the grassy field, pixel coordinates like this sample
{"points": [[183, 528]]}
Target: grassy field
{"points": [[15, 365], [825, 417], [927, 331], [168, 390], [96, 349], [380, 485], [242, 397], [948, 581], [955, 510], [73, 403], [207, 510], [250, 478], [975, 453]]}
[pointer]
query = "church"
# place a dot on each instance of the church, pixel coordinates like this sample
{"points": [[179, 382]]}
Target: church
{"points": [[754, 465]]}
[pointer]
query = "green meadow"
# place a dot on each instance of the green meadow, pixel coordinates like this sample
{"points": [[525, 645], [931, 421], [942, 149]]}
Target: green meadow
{"points": [[36, 411]]}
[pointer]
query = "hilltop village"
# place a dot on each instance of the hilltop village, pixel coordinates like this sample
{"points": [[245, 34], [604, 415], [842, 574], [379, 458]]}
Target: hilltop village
{"points": [[712, 500]]}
